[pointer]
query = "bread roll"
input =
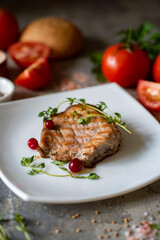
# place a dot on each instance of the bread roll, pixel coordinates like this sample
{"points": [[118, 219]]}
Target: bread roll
{"points": [[63, 37]]}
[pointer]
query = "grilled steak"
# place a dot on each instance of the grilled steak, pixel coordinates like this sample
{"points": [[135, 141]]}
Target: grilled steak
{"points": [[90, 142]]}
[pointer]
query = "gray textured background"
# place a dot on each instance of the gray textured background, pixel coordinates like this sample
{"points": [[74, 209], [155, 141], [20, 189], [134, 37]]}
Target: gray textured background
{"points": [[98, 20]]}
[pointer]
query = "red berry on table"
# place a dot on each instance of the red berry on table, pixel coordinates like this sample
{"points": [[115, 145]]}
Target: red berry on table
{"points": [[33, 143], [49, 124], [75, 165]]}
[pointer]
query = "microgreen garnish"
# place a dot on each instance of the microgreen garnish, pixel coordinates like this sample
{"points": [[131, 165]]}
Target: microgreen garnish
{"points": [[3, 235], [21, 227], [47, 114], [36, 169], [99, 108]]}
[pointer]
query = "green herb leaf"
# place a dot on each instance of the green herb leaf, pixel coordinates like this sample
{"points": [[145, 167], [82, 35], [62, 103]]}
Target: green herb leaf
{"points": [[158, 212], [41, 114], [3, 235], [155, 226], [54, 111], [82, 100], [93, 176], [71, 100], [118, 115], [88, 119], [26, 161], [74, 113], [102, 106], [96, 59], [81, 121], [2, 218]]}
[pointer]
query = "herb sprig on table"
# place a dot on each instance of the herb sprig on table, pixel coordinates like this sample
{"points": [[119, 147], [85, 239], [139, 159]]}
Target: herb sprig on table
{"points": [[36, 169], [156, 226], [3, 235], [21, 227], [99, 108]]}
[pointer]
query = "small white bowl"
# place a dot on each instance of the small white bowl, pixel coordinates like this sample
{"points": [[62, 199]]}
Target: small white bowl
{"points": [[6, 88]]}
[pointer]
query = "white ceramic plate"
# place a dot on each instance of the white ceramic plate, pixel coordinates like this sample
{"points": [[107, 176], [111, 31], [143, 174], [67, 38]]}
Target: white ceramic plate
{"points": [[134, 166]]}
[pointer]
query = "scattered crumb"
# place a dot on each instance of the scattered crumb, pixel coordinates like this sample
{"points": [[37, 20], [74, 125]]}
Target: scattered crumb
{"points": [[57, 231], [100, 237], [115, 234], [93, 221], [97, 212], [107, 236], [113, 222], [126, 226], [126, 220], [78, 230], [75, 216], [38, 223], [109, 230]]}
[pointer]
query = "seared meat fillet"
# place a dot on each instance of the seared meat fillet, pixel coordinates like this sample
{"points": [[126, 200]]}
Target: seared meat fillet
{"points": [[69, 139]]}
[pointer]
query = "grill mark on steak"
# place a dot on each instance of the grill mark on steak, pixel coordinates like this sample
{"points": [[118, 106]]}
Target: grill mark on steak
{"points": [[90, 143]]}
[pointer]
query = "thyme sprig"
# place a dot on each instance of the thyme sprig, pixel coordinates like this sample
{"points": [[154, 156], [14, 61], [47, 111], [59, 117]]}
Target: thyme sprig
{"points": [[99, 108], [3, 235], [36, 169]]}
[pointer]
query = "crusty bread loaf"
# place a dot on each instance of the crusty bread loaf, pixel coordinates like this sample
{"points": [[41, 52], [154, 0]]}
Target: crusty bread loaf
{"points": [[63, 37]]}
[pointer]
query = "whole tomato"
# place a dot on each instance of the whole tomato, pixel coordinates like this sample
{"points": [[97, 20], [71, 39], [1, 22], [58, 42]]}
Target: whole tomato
{"points": [[156, 69], [8, 28], [125, 66]]}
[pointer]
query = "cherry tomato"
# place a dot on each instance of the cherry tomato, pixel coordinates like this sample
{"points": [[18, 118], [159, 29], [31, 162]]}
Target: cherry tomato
{"points": [[75, 165], [35, 76], [156, 69], [26, 53], [33, 143], [123, 66], [49, 124], [9, 29], [149, 94]]}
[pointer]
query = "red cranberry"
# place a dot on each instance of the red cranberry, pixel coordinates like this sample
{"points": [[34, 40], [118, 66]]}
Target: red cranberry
{"points": [[75, 165], [33, 143], [49, 124]]}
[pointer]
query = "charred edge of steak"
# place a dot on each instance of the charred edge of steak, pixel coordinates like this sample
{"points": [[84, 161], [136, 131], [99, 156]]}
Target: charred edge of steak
{"points": [[104, 150]]}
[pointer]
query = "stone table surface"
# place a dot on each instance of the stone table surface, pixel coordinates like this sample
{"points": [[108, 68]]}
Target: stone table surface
{"points": [[98, 20]]}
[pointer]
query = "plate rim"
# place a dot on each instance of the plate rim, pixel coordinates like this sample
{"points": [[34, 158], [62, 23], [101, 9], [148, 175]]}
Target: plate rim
{"points": [[27, 197]]}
